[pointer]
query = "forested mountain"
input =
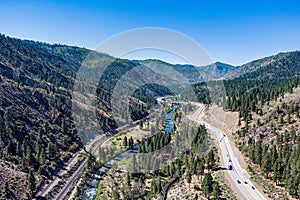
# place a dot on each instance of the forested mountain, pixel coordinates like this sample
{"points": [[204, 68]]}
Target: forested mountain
{"points": [[269, 133], [183, 73], [282, 65], [261, 122], [272, 142], [270, 111], [218, 70], [37, 131], [193, 73]]}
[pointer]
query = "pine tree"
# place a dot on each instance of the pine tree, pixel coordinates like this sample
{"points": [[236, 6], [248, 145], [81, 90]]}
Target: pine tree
{"points": [[276, 172], [8, 148], [125, 142], [274, 155], [38, 148], [189, 177], [200, 168], [171, 169], [159, 187], [266, 164], [281, 120], [216, 191], [141, 124], [42, 156], [210, 160], [196, 197], [130, 142], [7, 116], [207, 184], [6, 189], [31, 182], [107, 122], [278, 139], [91, 161], [154, 188], [142, 147], [286, 172], [289, 118], [293, 134], [293, 180], [2, 125], [134, 163], [50, 150], [46, 127], [258, 152], [64, 126], [116, 195], [56, 149], [18, 149], [128, 179], [29, 156], [77, 193], [239, 122]]}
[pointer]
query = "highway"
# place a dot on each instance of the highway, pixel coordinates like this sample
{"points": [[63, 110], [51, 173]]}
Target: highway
{"points": [[238, 176]]}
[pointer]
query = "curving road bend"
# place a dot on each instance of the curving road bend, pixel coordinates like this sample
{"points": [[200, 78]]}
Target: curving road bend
{"points": [[238, 176]]}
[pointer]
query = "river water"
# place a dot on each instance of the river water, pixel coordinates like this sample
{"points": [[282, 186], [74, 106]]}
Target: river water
{"points": [[92, 188]]}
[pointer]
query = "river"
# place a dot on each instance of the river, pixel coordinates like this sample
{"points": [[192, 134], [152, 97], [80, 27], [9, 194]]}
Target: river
{"points": [[92, 188]]}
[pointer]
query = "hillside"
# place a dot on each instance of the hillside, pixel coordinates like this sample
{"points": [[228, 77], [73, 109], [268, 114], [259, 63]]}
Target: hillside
{"points": [[282, 65], [218, 70], [269, 111], [182, 73], [192, 73], [37, 130], [271, 141], [267, 99]]}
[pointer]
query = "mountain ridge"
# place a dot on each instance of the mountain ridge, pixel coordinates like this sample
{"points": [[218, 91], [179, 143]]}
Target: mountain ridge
{"points": [[194, 73], [37, 131], [278, 61]]}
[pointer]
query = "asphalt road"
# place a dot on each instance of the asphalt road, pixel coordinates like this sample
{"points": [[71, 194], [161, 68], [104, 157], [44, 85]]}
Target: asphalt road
{"points": [[245, 191]]}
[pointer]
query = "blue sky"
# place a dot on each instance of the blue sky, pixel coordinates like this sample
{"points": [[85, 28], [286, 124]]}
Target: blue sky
{"points": [[234, 32]]}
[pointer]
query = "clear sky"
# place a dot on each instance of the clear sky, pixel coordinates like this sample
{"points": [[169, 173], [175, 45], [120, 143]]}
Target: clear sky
{"points": [[234, 32]]}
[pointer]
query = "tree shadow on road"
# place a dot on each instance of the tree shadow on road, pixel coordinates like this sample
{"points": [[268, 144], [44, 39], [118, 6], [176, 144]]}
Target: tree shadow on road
{"points": [[219, 169]]}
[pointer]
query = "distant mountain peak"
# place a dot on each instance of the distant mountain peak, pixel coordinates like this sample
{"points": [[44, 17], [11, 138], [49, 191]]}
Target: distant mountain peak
{"points": [[194, 73]]}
